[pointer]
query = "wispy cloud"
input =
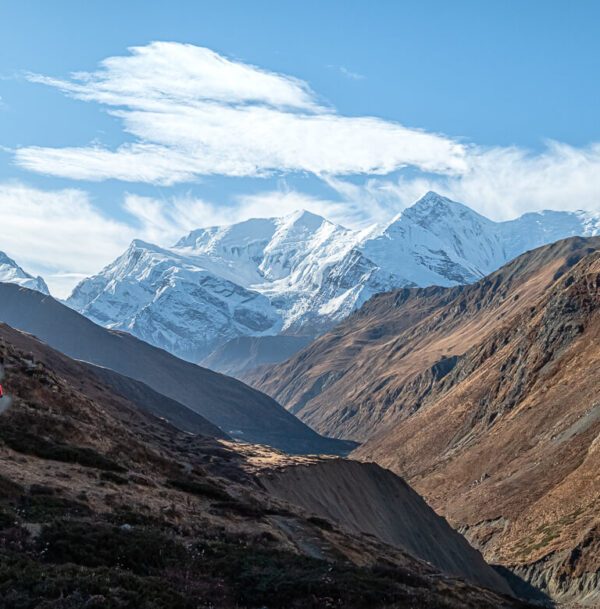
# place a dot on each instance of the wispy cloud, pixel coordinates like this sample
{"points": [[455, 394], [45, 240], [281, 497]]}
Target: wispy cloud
{"points": [[500, 183], [64, 236], [169, 72], [193, 112], [57, 232], [350, 74], [274, 203]]}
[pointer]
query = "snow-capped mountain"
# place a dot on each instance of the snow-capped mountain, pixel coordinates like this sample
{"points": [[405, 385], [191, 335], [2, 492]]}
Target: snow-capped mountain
{"points": [[170, 300], [11, 272], [301, 273]]}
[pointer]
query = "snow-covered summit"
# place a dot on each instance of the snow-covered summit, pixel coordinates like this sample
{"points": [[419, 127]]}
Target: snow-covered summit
{"points": [[172, 300], [11, 272], [301, 273]]}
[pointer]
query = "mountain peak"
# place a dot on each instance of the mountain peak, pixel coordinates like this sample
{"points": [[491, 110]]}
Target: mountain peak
{"points": [[11, 272], [432, 207], [431, 195], [304, 218], [432, 200], [140, 244], [4, 259]]}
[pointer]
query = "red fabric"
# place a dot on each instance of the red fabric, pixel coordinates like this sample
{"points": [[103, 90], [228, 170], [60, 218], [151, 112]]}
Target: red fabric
{"points": [[1, 391]]}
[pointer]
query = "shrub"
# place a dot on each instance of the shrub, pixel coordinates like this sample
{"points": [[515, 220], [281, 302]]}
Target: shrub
{"points": [[7, 519], [26, 584], [43, 508], [114, 478], [321, 523], [138, 549], [277, 579], [200, 489], [9, 488], [31, 444]]}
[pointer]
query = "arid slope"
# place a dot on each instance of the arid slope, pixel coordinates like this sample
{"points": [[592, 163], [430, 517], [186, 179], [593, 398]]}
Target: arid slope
{"points": [[366, 498], [486, 399], [379, 365], [507, 444], [105, 505]]}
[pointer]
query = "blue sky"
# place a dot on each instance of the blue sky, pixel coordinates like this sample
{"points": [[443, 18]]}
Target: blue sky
{"points": [[352, 109]]}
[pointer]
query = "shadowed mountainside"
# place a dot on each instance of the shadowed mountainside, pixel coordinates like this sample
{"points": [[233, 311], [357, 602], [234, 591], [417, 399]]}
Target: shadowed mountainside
{"points": [[240, 411], [242, 355]]}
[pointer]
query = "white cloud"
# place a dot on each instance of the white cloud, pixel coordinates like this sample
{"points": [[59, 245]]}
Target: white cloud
{"points": [[500, 183], [192, 112], [64, 237], [165, 221], [169, 72], [196, 113], [505, 182], [57, 233], [130, 163], [252, 141], [283, 202], [375, 200], [350, 74]]}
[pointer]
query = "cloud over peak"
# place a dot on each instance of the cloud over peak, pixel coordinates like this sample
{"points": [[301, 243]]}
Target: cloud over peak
{"points": [[194, 112], [188, 112]]}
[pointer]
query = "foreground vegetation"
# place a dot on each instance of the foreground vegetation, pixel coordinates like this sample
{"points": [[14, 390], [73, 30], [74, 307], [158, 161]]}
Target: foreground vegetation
{"points": [[77, 559]]}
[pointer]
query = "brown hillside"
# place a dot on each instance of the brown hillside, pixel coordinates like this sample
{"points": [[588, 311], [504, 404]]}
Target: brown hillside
{"points": [[380, 365], [507, 444], [486, 399], [105, 505]]}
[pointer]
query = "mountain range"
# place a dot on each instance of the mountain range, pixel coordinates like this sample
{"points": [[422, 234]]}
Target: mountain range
{"points": [[104, 504], [444, 349], [485, 398], [301, 274]]}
